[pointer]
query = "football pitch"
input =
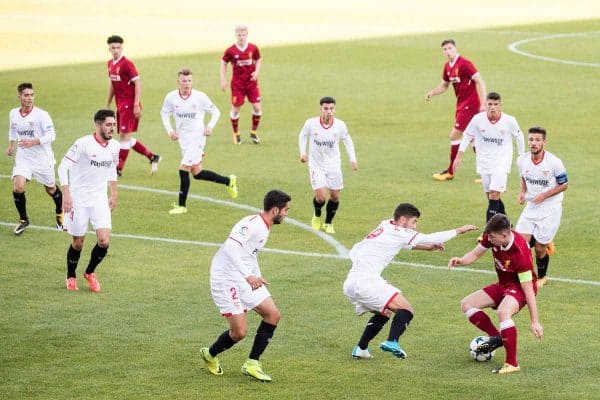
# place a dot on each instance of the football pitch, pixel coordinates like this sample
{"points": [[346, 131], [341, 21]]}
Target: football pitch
{"points": [[139, 338]]}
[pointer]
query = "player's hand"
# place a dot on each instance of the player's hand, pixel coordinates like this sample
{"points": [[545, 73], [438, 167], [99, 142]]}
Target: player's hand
{"points": [[26, 143], [521, 198], [454, 261], [112, 202], [67, 201], [254, 76], [303, 158], [137, 111], [223, 84], [207, 131], [537, 329], [539, 198], [174, 135], [10, 150], [255, 282], [428, 96], [456, 164], [354, 165], [466, 228]]}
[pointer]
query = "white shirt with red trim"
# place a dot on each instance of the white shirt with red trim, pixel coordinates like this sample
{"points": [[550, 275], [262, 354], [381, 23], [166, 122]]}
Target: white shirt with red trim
{"points": [[87, 168], [237, 258], [36, 124], [541, 177], [324, 143], [493, 141], [373, 254], [188, 113]]}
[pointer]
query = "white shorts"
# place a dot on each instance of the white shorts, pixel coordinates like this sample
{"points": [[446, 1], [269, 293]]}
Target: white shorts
{"points": [[236, 297], [542, 224], [496, 182], [192, 155], [76, 221], [330, 179], [45, 176], [369, 293]]}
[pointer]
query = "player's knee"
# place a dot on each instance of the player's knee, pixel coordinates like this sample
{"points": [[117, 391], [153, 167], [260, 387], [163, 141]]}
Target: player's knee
{"points": [[77, 243], [335, 196], [238, 333], [465, 305], [504, 314], [18, 187], [273, 317], [320, 197], [103, 242]]}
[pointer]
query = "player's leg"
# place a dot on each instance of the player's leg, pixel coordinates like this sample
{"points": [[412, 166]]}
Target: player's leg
{"points": [[545, 229], [19, 182], [270, 318], [494, 186], [73, 255], [125, 145], [237, 100], [374, 326], [403, 314], [506, 309], [254, 98], [184, 188], [455, 139], [473, 304], [331, 209], [318, 182], [206, 175], [56, 194], [100, 218]]}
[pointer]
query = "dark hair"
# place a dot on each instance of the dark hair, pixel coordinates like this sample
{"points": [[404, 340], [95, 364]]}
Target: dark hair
{"points": [[406, 210], [114, 39], [184, 71], [101, 115], [498, 223], [23, 86], [494, 96], [449, 41], [327, 100], [538, 129], [276, 198]]}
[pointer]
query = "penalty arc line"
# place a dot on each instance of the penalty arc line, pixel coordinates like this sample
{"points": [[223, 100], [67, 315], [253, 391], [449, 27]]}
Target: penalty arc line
{"points": [[514, 48], [304, 254]]}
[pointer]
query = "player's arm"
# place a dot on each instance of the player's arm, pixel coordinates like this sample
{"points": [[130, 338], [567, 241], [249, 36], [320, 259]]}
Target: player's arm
{"points": [[223, 75], [165, 114], [63, 178], [526, 280], [48, 134], [466, 140], [254, 75], [111, 94], [215, 114], [552, 192], [10, 150], [520, 140], [523, 191], [468, 258], [233, 248], [439, 89], [302, 140], [481, 90], [114, 192], [137, 100], [349, 145], [435, 241]]}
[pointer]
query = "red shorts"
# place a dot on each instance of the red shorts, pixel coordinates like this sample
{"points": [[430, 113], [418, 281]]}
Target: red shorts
{"points": [[126, 121], [463, 117], [238, 94], [498, 292]]}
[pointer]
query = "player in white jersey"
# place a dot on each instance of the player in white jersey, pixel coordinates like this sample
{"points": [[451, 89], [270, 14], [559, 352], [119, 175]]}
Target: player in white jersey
{"points": [[30, 135], [84, 173], [323, 135], [543, 181], [187, 107], [237, 285], [370, 292], [493, 132]]}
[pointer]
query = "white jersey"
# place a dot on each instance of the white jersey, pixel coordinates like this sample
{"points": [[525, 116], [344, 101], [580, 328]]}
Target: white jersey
{"points": [[37, 124], [373, 254], [237, 258], [324, 145], [188, 113], [87, 168], [541, 177], [493, 141]]}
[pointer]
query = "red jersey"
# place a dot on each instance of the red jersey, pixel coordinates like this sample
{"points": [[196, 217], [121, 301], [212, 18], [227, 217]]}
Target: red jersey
{"points": [[512, 261], [243, 62], [122, 74], [459, 74]]}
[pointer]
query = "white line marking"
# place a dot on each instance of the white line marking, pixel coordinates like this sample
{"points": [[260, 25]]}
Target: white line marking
{"points": [[513, 47], [302, 254]]}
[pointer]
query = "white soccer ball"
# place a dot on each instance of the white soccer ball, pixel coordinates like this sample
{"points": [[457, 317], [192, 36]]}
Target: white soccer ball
{"points": [[478, 356]]}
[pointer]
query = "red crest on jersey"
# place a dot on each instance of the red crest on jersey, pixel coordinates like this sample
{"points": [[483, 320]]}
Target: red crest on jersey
{"points": [[118, 69]]}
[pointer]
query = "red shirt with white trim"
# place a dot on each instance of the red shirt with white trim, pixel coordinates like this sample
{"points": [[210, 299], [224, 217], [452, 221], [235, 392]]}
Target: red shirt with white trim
{"points": [[460, 74], [511, 260], [122, 74], [243, 61]]}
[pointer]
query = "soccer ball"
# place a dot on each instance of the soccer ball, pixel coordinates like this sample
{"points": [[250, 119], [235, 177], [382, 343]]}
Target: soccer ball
{"points": [[478, 356]]}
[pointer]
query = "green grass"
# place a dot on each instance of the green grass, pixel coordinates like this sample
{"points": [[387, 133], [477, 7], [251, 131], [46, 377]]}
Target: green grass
{"points": [[140, 337]]}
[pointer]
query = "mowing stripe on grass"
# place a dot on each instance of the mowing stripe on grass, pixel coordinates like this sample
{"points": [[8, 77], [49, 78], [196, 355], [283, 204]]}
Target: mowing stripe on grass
{"points": [[301, 253], [514, 48]]}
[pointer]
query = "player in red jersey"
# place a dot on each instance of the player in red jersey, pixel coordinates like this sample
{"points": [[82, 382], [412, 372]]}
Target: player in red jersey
{"points": [[126, 87], [245, 61], [516, 287], [470, 92]]}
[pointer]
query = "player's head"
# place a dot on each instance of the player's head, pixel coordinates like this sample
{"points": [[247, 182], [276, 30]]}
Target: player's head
{"points": [[327, 108], [493, 105], [184, 80], [276, 205], [406, 215], [241, 34], [105, 124], [536, 139], [449, 48], [26, 94], [498, 230], [115, 46]]}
